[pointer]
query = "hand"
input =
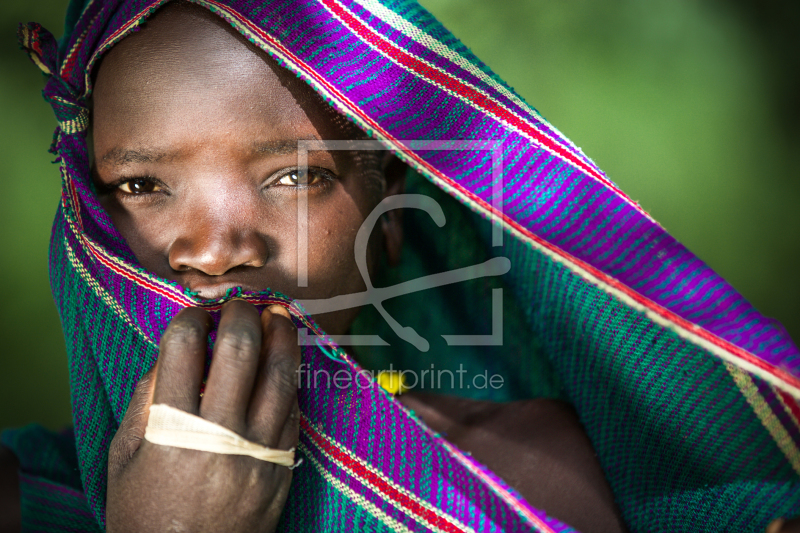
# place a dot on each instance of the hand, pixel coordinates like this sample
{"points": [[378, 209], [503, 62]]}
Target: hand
{"points": [[251, 390]]}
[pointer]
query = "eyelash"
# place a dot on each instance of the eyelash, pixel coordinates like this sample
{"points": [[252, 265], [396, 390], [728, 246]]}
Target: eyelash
{"points": [[116, 187], [324, 178]]}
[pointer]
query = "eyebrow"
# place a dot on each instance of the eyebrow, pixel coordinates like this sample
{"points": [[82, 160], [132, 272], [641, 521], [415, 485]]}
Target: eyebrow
{"points": [[282, 146], [119, 156]]}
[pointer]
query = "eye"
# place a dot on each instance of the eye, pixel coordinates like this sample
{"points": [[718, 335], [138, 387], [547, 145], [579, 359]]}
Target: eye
{"points": [[139, 186], [293, 178]]}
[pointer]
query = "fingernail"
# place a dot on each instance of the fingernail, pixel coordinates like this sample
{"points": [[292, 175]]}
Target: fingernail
{"points": [[279, 310], [776, 526]]}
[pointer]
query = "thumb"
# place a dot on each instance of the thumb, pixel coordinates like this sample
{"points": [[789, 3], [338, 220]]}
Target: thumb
{"points": [[131, 430]]}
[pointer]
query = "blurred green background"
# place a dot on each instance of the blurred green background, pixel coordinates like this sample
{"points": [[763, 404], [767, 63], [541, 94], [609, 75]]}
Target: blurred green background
{"points": [[691, 106]]}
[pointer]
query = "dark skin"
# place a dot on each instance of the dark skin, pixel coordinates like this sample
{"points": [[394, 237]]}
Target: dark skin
{"points": [[537, 446], [193, 140], [250, 389]]}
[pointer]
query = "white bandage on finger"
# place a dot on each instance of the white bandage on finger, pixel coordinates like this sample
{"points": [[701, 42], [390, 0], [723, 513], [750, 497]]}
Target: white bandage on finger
{"points": [[168, 426]]}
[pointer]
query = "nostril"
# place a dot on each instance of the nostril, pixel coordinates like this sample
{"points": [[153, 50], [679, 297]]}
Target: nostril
{"points": [[257, 262]]}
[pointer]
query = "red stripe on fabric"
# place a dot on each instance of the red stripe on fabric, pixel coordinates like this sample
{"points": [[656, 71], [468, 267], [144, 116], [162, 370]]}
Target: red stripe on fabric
{"points": [[141, 280], [137, 279], [111, 38], [600, 275], [364, 117], [367, 34], [110, 264], [69, 61], [370, 478], [791, 404], [76, 207], [175, 296], [34, 43], [69, 64], [476, 97]]}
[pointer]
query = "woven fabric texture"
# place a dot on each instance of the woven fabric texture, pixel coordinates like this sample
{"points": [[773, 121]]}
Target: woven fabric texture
{"points": [[687, 393]]}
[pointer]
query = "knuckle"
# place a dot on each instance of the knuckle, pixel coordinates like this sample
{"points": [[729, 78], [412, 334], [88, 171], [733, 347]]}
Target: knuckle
{"points": [[181, 331], [123, 445], [282, 370], [239, 342], [282, 364], [281, 324], [144, 383]]}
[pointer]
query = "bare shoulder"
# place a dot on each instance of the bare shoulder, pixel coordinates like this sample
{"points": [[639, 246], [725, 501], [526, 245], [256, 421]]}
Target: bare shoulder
{"points": [[10, 520], [539, 447]]}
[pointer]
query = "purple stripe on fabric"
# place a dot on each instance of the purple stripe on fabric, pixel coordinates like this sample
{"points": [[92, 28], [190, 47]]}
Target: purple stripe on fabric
{"points": [[661, 279], [774, 349], [383, 453], [541, 197], [49, 486], [458, 71]]}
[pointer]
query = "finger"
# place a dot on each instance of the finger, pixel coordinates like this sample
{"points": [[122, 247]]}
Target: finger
{"points": [[290, 434], [782, 525], [775, 526], [131, 430], [233, 366], [279, 310], [181, 360], [275, 394]]}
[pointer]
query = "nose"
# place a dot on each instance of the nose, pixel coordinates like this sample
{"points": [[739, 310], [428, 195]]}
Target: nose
{"points": [[214, 247]]}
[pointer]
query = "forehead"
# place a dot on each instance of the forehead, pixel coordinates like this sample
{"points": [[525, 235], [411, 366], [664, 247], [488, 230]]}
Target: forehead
{"points": [[188, 75]]}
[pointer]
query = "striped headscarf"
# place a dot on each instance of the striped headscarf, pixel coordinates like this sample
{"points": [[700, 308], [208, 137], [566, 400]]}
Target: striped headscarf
{"points": [[688, 394]]}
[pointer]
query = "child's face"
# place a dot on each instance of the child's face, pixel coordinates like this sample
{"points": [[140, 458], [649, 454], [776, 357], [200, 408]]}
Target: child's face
{"points": [[195, 153]]}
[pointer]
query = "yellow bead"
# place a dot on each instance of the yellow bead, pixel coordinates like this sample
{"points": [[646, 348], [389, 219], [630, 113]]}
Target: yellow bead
{"points": [[393, 381]]}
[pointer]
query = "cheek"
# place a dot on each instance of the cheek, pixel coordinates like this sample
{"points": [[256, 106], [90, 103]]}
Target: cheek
{"points": [[332, 231], [143, 230], [332, 268]]}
